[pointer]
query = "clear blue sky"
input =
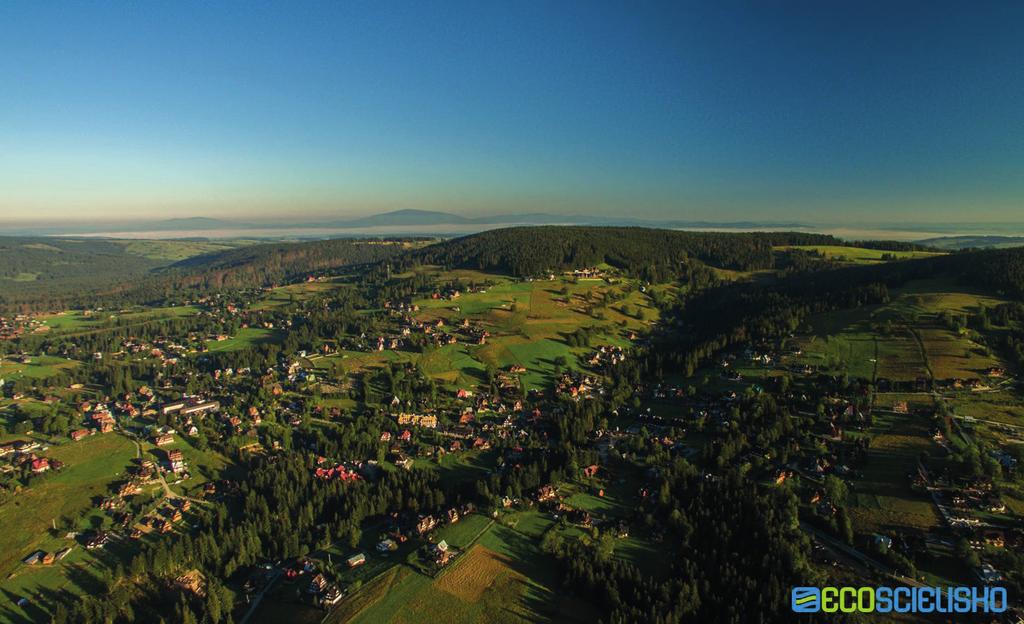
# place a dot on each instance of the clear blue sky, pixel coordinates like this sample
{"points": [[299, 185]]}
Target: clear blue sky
{"points": [[822, 110]]}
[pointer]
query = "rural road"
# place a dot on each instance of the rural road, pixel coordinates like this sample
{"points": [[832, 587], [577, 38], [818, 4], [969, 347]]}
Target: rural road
{"points": [[259, 597], [836, 545]]}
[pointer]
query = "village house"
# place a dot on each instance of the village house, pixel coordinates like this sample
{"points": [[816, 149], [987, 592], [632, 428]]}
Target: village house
{"points": [[441, 553], [97, 540], [192, 582], [172, 407], [163, 439], [331, 596], [425, 524], [176, 460], [428, 421], [317, 584], [34, 558], [200, 408], [546, 493]]}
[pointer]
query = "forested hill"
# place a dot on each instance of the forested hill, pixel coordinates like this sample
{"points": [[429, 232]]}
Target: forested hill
{"points": [[43, 274], [650, 253], [999, 270], [31, 259], [275, 263], [40, 274], [48, 273]]}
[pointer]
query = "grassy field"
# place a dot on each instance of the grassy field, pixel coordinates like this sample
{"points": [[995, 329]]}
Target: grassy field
{"points": [[203, 465], [1005, 406], [76, 322], [883, 499], [858, 255], [465, 531], [454, 365], [245, 337], [23, 277], [529, 323], [40, 367], [503, 578], [284, 295], [92, 465], [901, 340], [175, 250], [70, 320]]}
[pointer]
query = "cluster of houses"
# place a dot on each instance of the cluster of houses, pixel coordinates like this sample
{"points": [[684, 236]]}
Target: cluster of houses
{"points": [[584, 273], [163, 518], [605, 357], [440, 334], [12, 327], [426, 421], [579, 386], [337, 472], [321, 590], [22, 454]]}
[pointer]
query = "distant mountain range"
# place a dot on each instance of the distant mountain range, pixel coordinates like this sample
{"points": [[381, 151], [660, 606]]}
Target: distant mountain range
{"points": [[973, 242], [409, 219], [411, 222]]}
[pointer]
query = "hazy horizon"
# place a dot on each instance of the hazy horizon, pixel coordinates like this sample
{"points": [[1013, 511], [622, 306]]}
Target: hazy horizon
{"points": [[868, 112]]}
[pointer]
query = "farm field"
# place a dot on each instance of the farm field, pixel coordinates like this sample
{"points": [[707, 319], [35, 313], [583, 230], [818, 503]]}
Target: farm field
{"points": [[902, 340], [884, 498], [1004, 406], [503, 578]]}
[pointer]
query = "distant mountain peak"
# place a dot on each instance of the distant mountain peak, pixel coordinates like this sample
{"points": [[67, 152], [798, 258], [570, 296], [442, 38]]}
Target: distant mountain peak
{"points": [[192, 220], [404, 217]]}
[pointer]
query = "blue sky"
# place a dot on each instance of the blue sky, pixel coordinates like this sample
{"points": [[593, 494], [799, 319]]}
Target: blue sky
{"points": [[819, 111]]}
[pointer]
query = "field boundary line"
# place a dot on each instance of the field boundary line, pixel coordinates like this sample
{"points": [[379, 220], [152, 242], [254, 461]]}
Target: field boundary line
{"points": [[924, 353]]}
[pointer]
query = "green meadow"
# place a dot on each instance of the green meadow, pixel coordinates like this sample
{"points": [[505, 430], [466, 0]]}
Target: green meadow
{"points": [[246, 337], [860, 255], [91, 466], [504, 577], [40, 367]]}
